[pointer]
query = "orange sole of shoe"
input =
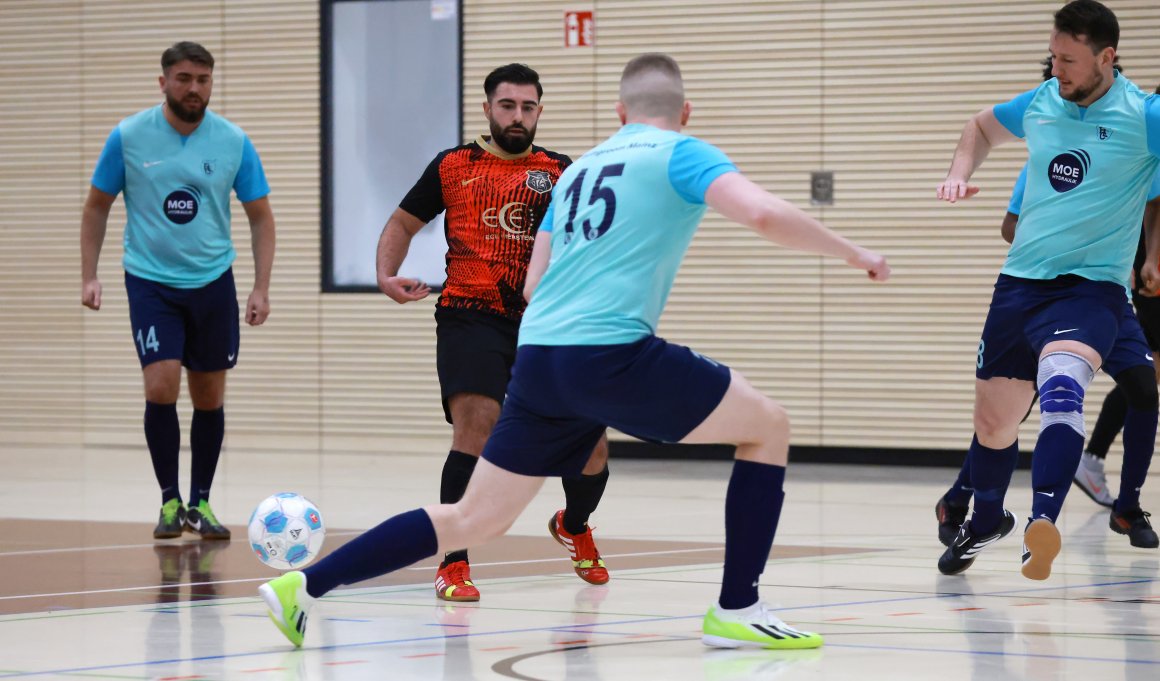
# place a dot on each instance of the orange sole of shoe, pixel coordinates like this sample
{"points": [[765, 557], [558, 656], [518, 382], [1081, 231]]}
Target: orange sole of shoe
{"points": [[1043, 541]]}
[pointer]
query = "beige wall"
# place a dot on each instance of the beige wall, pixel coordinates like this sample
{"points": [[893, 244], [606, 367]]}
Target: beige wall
{"points": [[874, 91]]}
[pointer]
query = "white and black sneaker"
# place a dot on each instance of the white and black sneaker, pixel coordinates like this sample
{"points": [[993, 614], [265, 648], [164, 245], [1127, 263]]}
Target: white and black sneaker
{"points": [[962, 551]]}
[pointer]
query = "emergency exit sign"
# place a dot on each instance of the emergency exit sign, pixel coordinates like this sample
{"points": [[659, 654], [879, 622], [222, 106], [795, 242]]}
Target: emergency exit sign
{"points": [[579, 29]]}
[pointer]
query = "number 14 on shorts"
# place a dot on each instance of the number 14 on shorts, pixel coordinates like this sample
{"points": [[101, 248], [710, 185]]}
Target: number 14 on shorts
{"points": [[147, 340]]}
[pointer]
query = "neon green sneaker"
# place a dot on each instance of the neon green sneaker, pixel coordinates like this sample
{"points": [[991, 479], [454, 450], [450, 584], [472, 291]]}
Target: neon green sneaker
{"points": [[289, 603], [753, 627], [201, 520], [171, 520]]}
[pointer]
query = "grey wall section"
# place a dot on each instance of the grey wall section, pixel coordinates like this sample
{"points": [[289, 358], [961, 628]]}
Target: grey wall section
{"points": [[876, 91], [394, 104]]}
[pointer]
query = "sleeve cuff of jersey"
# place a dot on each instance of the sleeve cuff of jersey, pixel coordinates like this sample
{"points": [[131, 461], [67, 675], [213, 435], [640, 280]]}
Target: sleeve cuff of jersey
{"points": [[260, 195], [707, 178], [111, 192]]}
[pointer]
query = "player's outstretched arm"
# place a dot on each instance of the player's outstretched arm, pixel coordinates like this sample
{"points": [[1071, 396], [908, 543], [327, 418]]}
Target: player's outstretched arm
{"points": [[739, 199], [394, 243], [94, 221], [262, 239], [982, 133]]}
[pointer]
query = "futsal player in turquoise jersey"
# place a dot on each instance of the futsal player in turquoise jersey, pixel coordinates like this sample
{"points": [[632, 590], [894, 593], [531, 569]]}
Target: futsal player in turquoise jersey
{"points": [[1131, 364], [620, 221], [1093, 142], [176, 164]]}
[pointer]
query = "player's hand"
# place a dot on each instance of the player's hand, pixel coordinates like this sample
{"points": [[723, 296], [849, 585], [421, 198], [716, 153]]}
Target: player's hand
{"points": [[257, 307], [404, 290], [951, 190], [873, 264], [1150, 280], [91, 294]]}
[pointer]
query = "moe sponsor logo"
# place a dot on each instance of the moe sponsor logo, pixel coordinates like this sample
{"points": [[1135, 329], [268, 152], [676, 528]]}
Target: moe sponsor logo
{"points": [[181, 205], [1066, 171]]}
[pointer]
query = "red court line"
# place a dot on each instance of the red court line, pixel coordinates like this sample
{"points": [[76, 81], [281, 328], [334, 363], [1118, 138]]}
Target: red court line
{"points": [[335, 664], [903, 614], [411, 657]]}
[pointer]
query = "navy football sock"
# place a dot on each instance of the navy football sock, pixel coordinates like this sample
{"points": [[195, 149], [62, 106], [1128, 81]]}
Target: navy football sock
{"points": [[960, 493], [395, 543], [1053, 465], [163, 437], [206, 434], [991, 471], [1139, 442], [752, 509]]}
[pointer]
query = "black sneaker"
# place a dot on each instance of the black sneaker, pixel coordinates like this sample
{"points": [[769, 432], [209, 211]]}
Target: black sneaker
{"points": [[962, 551], [201, 520], [1134, 523], [171, 521], [950, 519]]}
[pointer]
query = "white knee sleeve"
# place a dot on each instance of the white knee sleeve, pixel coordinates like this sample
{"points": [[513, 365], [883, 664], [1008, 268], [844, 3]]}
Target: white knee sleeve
{"points": [[1063, 380]]}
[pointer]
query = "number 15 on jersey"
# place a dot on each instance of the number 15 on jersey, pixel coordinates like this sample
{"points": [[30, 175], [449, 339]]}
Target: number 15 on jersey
{"points": [[599, 192]]}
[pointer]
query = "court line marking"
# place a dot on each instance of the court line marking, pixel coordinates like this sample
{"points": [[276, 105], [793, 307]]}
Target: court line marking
{"points": [[423, 568], [365, 644]]}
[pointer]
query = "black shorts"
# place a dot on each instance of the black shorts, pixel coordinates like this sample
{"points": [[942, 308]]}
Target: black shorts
{"points": [[1148, 312], [474, 353]]}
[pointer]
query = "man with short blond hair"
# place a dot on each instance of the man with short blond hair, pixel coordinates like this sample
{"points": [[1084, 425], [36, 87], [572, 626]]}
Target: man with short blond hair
{"points": [[603, 264]]}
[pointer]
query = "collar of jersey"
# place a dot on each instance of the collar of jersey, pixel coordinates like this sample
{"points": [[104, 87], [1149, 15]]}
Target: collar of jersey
{"points": [[485, 144]]}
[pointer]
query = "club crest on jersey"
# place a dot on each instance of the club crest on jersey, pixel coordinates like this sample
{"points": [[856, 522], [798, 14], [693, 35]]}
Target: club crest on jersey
{"points": [[539, 181], [1104, 133], [208, 166]]}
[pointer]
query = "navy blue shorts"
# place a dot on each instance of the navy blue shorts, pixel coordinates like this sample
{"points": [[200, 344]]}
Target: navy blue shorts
{"points": [[1132, 346], [198, 326], [1027, 314], [561, 399]]}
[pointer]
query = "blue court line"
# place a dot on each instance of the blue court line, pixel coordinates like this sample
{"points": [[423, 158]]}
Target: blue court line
{"points": [[420, 639]]}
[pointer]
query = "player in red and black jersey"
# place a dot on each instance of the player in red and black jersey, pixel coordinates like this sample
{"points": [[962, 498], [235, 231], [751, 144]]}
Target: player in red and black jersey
{"points": [[495, 190]]}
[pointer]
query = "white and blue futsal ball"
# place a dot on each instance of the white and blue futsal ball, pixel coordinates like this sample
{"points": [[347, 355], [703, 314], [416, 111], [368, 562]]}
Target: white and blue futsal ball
{"points": [[286, 531]]}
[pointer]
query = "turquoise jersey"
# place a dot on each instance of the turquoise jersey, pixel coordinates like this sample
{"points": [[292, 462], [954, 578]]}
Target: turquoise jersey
{"points": [[177, 194], [1089, 170], [1015, 205], [621, 219]]}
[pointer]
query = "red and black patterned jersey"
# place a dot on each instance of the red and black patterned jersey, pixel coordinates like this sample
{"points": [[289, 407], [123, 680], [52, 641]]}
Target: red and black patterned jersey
{"points": [[495, 202]]}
